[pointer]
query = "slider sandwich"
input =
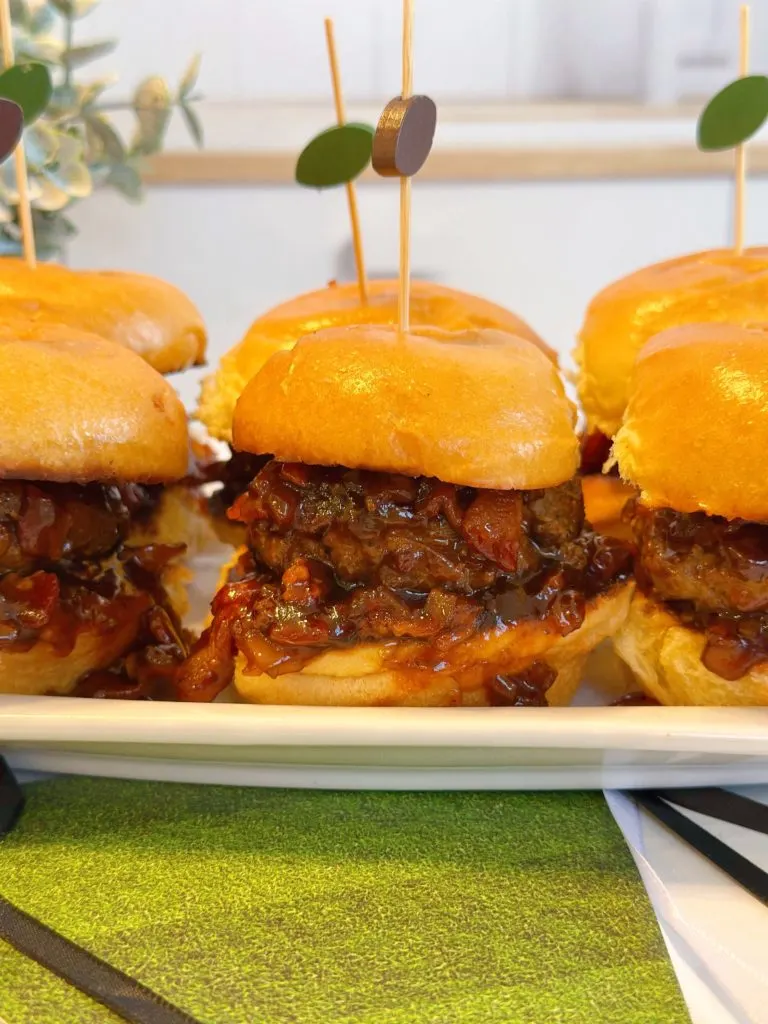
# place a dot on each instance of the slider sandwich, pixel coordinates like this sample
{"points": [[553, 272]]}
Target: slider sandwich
{"points": [[338, 305], [142, 313], [692, 443], [717, 286], [415, 533], [90, 600]]}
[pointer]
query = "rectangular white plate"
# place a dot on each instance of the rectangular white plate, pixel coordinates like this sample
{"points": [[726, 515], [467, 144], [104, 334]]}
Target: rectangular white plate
{"points": [[388, 748], [591, 746]]}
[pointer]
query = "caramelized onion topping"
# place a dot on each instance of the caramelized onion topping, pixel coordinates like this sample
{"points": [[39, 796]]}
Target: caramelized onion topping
{"points": [[65, 568]]}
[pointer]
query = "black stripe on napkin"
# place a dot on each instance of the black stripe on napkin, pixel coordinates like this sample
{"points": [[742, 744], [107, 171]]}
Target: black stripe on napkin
{"points": [[720, 804], [123, 995], [741, 870]]}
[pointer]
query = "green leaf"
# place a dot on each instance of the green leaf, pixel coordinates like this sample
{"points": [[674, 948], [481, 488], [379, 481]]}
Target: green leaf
{"points": [[21, 13], [44, 48], [73, 178], [109, 141], [41, 143], [64, 101], [76, 56], [335, 156], [126, 179], [734, 114], [189, 79], [152, 105], [10, 189], [60, 227], [74, 8], [52, 197], [30, 86], [37, 18], [193, 124], [88, 94]]}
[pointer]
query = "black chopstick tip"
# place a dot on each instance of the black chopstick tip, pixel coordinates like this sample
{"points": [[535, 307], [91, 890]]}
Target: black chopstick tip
{"points": [[11, 799]]}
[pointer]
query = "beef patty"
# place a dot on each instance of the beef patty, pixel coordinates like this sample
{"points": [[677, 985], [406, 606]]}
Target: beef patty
{"points": [[713, 574]]}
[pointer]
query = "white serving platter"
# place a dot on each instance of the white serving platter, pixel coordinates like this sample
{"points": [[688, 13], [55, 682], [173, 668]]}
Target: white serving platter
{"points": [[388, 748]]}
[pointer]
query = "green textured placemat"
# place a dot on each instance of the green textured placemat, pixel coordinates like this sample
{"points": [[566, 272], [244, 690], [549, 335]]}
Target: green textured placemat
{"points": [[273, 906]]}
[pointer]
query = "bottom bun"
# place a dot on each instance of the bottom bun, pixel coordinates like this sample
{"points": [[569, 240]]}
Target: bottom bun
{"points": [[42, 671], [665, 657], [604, 501], [357, 676]]}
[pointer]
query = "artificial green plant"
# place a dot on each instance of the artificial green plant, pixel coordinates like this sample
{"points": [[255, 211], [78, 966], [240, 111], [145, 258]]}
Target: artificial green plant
{"points": [[75, 147]]}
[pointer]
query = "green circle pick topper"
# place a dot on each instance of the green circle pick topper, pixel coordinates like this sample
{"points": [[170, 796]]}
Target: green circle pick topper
{"points": [[29, 86], [336, 156], [734, 114]]}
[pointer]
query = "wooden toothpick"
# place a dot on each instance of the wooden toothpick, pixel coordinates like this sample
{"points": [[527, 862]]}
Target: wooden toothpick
{"points": [[19, 156], [740, 168], [404, 289], [354, 216]]}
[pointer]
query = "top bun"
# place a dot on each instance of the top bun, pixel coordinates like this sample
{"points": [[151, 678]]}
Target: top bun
{"points": [[77, 408], [696, 426], [479, 408], [338, 305], [714, 286], [149, 316]]}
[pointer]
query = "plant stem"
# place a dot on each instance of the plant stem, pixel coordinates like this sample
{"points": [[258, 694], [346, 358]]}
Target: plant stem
{"points": [[68, 39]]}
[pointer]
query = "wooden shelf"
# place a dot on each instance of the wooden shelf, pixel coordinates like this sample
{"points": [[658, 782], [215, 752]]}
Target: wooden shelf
{"points": [[550, 163]]}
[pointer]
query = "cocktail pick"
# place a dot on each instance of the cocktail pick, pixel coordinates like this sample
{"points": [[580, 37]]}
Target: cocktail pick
{"points": [[337, 156], [401, 145], [731, 118], [25, 90]]}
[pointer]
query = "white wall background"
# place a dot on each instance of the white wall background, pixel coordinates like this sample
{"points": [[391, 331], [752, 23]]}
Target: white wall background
{"points": [[482, 49]]}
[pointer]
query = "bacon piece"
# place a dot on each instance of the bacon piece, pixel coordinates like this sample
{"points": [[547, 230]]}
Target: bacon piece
{"points": [[493, 526]]}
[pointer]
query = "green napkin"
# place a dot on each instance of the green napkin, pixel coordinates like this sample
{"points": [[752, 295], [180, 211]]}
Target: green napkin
{"points": [[277, 906]]}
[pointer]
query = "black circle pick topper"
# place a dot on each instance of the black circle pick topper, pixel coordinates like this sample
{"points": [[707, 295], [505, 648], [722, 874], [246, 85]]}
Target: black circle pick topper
{"points": [[11, 126], [403, 137]]}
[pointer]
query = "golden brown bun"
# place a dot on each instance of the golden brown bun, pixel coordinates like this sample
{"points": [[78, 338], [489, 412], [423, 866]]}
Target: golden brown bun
{"points": [[665, 657], [358, 676], [697, 422], [484, 408], [714, 286], [40, 670], [78, 408], [432, 305], [145, 314], [604, 501]]}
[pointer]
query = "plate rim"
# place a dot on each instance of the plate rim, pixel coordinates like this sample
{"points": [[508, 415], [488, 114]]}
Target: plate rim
{"points": [[742, 731]]}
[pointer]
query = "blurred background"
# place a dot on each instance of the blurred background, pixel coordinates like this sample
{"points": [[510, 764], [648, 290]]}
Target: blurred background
{"points": [[565, 152]]}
